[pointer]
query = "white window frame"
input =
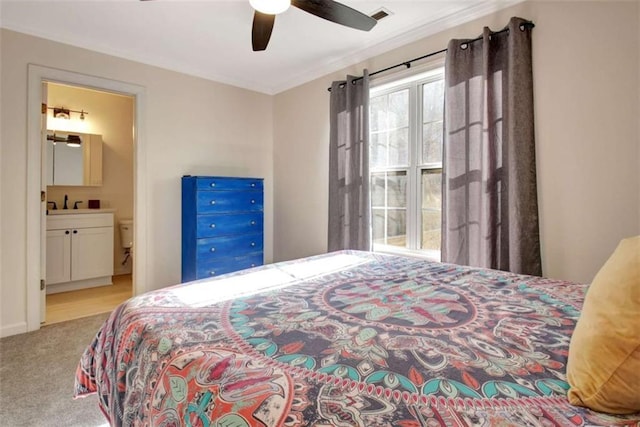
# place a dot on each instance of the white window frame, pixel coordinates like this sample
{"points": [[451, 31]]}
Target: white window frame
{"points": [[412, 79]]}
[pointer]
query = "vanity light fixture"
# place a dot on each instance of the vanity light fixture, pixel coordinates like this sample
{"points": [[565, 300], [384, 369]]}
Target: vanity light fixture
{"points": [[61, 113], [65, 113], [71, 140], [55, 138], [74, 141]]}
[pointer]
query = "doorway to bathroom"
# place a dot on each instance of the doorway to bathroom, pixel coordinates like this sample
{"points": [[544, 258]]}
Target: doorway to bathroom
{"points": [[36, 181], [104, 183], [94, 176]]}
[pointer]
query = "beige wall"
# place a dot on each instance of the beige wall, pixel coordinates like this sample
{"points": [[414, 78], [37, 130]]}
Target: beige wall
{"points": [[193, 126], [110, 115], [586, 105], [586, 92]]}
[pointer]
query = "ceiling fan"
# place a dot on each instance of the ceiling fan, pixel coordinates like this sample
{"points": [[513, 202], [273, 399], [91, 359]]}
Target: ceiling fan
{"points": [[266, 11]]}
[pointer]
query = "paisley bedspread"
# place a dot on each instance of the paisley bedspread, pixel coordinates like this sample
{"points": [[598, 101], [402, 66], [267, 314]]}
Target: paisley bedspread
{"points": [[342, 339]]}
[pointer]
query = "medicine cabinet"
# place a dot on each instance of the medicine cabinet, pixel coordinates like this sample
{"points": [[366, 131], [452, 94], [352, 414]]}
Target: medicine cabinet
{"points": [[70, 164]]}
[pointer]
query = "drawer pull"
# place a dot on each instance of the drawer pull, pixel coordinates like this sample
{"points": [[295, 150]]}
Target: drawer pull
{"points": [[212, 249], [213, 202], [253, 223], [253, 184], [212, 226], [253, 243], [253, 201], [212, 273], [253, 265], [213, 184]]}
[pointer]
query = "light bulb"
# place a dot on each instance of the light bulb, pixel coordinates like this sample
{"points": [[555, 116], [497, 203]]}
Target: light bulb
{"points": [[270, 7]]}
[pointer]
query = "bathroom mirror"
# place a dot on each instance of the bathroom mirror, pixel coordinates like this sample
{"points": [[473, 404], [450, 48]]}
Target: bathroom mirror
{"points": [[74, 159]]}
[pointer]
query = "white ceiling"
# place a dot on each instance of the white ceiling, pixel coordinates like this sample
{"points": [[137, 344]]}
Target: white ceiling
{"points": [[212, 39]]}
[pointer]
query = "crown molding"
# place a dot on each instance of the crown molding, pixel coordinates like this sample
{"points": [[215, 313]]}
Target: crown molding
{"points": [[399, 40]]}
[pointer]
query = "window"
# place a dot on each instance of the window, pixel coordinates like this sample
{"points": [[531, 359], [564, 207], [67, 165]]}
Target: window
{"points": [[405, 160]]}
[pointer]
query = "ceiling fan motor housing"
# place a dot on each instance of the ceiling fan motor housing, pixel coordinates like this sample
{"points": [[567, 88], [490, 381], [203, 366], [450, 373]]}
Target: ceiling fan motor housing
{"points": [[326, 9]]}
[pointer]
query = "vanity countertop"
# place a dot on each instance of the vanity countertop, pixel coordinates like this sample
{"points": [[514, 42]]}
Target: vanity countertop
{"points": [[79, 211]]}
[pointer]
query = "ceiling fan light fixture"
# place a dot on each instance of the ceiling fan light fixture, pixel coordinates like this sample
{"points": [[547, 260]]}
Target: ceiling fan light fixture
{"points": [[270, 7]]}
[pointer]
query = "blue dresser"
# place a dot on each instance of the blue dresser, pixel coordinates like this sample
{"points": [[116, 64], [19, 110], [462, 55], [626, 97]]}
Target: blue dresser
{"points": [[222, 225]]}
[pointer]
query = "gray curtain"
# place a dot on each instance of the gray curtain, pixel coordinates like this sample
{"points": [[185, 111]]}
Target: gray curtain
{"points": [[490, 208], [349, 210]]}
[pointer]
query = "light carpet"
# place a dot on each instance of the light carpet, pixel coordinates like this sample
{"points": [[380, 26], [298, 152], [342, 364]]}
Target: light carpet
{"points": [[37, 371]]}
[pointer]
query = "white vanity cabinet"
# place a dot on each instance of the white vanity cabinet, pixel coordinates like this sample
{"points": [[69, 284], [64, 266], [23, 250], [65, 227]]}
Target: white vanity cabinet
{"points": [[79, 251]]}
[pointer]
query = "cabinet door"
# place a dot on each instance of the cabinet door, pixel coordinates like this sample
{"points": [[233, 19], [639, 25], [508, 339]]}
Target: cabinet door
{"points": [[92, 160], [91, 252], [58, 256]]}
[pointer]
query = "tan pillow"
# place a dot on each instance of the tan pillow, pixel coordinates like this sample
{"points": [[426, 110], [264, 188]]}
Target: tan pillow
{"points": [[603, 369]]}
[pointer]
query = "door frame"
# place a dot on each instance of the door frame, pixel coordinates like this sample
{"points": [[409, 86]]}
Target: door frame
{"points": [[35, 215]]}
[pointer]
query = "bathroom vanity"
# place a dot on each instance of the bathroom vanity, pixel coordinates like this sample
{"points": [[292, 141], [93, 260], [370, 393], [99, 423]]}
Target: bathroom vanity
{"points": [[79, 249]]}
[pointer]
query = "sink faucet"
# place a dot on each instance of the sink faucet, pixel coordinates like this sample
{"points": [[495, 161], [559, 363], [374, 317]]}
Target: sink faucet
{"points": [[75, 204], [66, 198], [55, 207]]}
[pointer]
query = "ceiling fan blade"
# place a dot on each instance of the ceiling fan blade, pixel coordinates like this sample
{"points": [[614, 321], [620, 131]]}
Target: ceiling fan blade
{"points": [[336, 12], [261, 32]]}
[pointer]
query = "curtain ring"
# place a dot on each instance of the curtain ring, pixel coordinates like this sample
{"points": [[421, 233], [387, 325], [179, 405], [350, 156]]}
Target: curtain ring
{"points": [[463, 46]]}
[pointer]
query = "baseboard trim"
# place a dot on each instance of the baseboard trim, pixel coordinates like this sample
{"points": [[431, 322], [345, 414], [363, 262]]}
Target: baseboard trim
{"points": [[14, 329], [79, 284], [121, 271]]}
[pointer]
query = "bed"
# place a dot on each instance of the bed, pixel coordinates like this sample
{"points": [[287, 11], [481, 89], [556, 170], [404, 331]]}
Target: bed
{"points": [[342, 339]]}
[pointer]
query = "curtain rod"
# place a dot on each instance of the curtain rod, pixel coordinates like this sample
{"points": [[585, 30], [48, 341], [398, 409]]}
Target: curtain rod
{"points": [[408, 63]]}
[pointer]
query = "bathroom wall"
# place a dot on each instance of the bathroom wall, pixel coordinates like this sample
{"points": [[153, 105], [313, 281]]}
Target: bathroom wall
{"points": [[110, 115]]}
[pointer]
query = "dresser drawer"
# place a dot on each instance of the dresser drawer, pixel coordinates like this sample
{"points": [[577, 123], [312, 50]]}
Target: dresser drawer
{"points": [[218, 247], [228, 265], [225, 224], [223, 183], [228, 201]]}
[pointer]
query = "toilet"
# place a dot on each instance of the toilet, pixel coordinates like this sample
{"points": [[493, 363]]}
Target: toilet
{"points": [[126, 238]]}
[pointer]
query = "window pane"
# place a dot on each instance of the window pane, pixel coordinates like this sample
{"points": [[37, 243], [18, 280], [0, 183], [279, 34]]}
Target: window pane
{"points": [[397, 227], [377, 108], [432, 101], [397, 189], [432, 142], [432, 115], [398, 109], [378, 225], [399, 147], [377, 189], [377, 150], [431, 181], [389, 126], [388, 200]]}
